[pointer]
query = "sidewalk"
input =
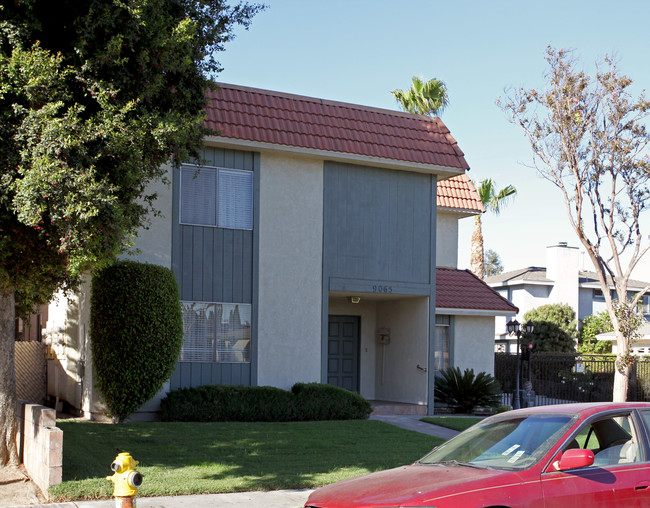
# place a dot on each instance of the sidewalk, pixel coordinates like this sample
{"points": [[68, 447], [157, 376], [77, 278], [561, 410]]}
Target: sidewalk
{"points": [[272, 499], [267, 499]]}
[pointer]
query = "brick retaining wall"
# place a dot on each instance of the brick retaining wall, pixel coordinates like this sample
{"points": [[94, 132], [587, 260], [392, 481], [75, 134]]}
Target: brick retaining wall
{"points": [[40, 444]]}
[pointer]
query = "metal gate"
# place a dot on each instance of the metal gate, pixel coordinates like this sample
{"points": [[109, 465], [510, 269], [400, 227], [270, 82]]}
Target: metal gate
{"points": [[559, 378]]}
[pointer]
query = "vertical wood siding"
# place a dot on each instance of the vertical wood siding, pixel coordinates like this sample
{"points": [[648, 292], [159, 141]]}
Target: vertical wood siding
{"points": [[377, 224], [214, 265]]}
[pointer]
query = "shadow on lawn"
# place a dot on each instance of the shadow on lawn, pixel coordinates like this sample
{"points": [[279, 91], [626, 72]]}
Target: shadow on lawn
{"points": [[185, 458]]}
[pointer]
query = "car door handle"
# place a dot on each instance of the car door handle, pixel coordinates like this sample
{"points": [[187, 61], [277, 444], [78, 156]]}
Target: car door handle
{"points": [[642, 486]]}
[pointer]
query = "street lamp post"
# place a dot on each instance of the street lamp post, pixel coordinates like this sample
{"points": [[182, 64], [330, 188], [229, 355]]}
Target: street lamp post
{"points": [[513, 326]]}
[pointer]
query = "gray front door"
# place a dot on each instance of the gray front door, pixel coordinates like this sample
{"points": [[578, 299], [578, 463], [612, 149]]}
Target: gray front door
{"points": [[343, 352]]}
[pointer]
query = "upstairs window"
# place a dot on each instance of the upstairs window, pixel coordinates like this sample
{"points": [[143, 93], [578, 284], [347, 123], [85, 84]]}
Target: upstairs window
{"points": [[216, 197]]}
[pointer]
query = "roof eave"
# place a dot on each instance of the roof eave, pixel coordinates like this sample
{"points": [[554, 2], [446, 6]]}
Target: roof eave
{"points": [[462, 212], [520, 282], [475, 312], [439, 171]]}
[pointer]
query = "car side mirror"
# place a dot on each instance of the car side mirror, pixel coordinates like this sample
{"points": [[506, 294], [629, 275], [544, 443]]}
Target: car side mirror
{"points": [[574, 459]]}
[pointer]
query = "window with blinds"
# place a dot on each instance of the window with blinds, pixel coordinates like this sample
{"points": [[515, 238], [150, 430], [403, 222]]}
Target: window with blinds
{"points": [[442, 346], [216, 332], [216, 197]]}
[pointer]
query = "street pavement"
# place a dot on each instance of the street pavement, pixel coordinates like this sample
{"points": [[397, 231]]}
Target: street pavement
{"points": [[267, 499]]}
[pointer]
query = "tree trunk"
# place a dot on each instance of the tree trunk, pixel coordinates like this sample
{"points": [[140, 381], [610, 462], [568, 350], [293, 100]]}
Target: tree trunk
{"points": [[621, 384], [8, 422], [623, 363], [477, 261]]}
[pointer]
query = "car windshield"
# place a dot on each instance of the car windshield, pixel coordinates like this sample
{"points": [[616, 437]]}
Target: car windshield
{"points": [[511, 443]]}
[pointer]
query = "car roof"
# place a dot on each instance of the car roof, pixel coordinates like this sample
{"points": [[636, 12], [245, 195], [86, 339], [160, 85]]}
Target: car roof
{"points": [[584, 408]]}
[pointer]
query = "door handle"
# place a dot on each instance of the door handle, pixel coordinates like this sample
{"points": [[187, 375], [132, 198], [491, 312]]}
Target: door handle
{"points": [[642, 486]]}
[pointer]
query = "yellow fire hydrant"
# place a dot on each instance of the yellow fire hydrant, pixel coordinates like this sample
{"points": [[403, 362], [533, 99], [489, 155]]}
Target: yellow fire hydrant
{"points": [[126, 480]]}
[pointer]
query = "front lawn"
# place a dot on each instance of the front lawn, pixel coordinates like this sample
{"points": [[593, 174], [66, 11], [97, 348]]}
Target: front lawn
{"points": [[197, 458]]}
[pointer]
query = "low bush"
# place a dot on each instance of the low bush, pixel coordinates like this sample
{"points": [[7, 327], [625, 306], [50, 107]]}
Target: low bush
{"points": [[223, 403], [316, 401]]}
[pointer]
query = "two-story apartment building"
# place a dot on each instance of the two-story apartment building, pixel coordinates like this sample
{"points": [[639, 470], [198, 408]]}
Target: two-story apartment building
{"points": [[314, 241]]}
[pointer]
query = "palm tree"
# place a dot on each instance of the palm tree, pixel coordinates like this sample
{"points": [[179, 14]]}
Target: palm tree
{"points": [[424, 98], [493, 201]]}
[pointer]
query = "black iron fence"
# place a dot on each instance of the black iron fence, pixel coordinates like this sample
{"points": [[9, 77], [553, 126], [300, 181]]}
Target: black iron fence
{"points": [[558, 378]]}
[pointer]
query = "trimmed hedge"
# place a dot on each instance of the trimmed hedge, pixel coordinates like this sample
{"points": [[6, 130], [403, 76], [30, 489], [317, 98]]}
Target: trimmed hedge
{"points": [[224, 403], [136, 329]]}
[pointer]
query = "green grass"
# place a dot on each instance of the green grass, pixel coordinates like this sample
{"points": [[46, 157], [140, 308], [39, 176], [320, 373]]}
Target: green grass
{"points": [[197, 458], [453, 422]]}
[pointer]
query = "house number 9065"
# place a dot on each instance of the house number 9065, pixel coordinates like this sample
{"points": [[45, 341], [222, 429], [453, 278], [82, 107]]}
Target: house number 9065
{"points": [[382, 289]]}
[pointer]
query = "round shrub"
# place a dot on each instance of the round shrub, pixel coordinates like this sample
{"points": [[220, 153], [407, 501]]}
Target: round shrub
{"points": [[555, 328], [136, 329]]}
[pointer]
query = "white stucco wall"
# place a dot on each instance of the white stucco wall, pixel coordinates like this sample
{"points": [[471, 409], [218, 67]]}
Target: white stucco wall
{"points": [[290, 270], [529, 297], [70, 373], [367, 311], [155, 243], [473, 343], [447, 239], [398, 378]]}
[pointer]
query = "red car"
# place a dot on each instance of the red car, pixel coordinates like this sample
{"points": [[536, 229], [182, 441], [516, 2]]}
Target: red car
{"points": [[573, 455]]}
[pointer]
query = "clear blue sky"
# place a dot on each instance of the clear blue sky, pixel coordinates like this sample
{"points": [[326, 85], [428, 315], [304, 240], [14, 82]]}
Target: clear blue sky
{"points": [[359, 50]]}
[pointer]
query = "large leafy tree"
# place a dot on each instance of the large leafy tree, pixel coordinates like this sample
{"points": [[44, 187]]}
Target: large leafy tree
{"points": [[427, 98], [493, 200], [94, 96], [589, 139], [555, 328]]}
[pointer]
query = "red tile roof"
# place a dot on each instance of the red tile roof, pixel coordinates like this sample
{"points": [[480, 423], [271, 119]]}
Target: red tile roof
{"points": [[264, 116], [459, 193], [461, 289]]}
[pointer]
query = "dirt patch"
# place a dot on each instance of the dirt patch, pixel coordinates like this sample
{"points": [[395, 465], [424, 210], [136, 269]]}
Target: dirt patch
{"points": [[17, 489]]}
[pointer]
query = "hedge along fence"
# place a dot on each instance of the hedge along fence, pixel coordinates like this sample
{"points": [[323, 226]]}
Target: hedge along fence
{"points": [[223, 403]]}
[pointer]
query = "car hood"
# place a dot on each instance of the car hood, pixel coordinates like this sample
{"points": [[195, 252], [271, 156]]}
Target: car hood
{"points": [[407, 485]]}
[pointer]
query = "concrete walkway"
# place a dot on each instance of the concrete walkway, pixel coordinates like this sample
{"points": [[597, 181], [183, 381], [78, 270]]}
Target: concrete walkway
{"points": [[412, 422], [267, 499]]}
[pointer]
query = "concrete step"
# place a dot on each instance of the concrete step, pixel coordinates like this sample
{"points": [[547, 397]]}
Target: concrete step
{"points": [[397, 408]]}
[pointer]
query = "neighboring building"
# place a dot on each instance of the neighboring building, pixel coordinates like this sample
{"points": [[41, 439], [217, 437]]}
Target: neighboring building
{"points": [[306, 249], [638, 347], [562, 281]]}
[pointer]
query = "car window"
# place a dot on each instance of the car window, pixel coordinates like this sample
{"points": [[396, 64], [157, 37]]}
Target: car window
{"points": [[503, 443], [613, 440], [645, 416]]}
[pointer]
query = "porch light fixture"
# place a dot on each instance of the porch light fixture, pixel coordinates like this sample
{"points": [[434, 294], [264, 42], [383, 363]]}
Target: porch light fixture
{"points": [[354, 299], [513, 326]]}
